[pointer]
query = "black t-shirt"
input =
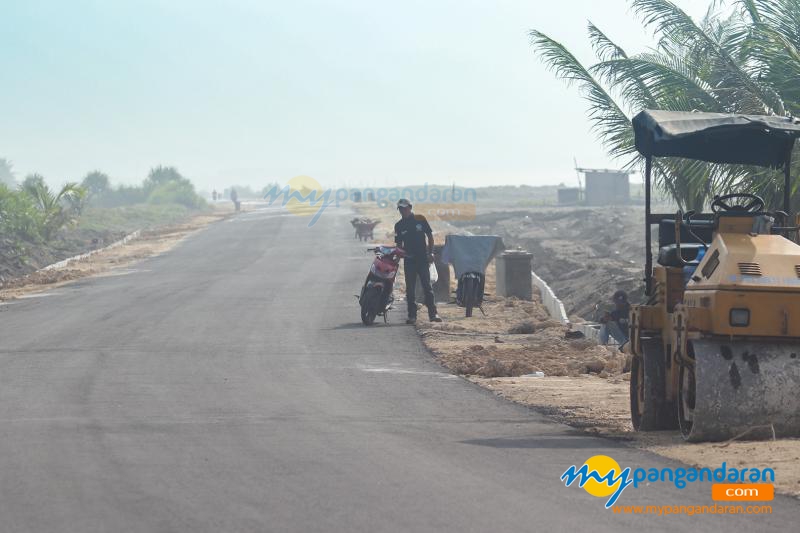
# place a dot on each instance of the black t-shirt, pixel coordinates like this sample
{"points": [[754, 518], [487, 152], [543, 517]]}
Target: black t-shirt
{"points": [[409, 234]]}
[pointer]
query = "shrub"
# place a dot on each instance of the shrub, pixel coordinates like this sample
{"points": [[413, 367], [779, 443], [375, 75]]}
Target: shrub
{"points": [[121, 196], [96, 184], [19, 219], [176, 192]]}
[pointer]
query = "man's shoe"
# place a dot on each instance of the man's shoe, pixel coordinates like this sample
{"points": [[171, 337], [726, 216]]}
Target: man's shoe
{"points": [[436, 318], [411, 321]]}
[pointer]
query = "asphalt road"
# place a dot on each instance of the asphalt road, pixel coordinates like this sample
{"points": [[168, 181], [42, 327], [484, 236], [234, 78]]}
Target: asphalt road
{"points": [[228, 386]]}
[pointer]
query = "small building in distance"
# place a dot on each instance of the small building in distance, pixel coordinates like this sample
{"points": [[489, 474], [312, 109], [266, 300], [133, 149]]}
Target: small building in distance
{"points": [[606, 187], [569, 196]]}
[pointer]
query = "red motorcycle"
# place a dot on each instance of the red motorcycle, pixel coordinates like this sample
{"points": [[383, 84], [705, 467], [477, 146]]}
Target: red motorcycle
{"points": [[376, 294]]}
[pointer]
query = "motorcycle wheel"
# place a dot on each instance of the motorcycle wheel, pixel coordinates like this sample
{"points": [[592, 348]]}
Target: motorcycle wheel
{"points": [[369, 305]]}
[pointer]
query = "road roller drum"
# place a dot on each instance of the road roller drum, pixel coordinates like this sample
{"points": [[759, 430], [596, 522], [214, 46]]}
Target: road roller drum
{"points": [[740, 388]]}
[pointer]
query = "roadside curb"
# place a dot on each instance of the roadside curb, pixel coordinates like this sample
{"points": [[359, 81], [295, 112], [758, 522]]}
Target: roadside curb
{"points": [[555, 308], [67, 261]]}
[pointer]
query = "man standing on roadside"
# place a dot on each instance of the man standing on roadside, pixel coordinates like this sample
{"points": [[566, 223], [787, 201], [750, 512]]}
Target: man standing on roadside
{"points": [[411, 233]]}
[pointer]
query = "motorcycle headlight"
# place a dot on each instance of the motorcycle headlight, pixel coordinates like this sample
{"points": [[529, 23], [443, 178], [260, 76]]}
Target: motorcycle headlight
{"points": [[740, 318]]}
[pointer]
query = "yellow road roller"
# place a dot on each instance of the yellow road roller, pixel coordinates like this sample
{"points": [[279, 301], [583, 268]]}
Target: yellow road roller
{"points": [[716, 347]]}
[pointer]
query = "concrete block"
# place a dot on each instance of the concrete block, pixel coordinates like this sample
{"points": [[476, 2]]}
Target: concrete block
{"points": [[513, 276]]}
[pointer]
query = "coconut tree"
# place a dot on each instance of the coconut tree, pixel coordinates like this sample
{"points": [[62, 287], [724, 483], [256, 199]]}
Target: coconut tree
{"points": [[55, 209], [7, 173], [743, 62]]}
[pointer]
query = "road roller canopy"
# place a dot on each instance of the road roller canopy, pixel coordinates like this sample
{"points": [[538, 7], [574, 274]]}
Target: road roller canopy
{"points": [[716, 137]]}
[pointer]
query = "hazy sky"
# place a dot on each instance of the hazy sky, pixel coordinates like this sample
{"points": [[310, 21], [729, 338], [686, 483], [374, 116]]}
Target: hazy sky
{"points": [[349, 92]]}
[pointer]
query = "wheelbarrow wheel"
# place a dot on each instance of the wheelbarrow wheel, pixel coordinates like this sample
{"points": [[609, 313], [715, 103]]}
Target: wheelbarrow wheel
{"points": [[469, 295]]}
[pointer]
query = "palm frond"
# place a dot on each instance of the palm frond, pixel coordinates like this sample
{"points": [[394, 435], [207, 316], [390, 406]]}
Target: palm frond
{"points": [[781, 16], [670, 82], [604, 48], [687, 181], [774, 47], [608, 119], [744, 62], [635, 93], [674, 25], [751, 8]]}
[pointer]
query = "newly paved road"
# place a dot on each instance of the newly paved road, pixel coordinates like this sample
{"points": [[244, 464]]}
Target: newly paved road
{"points": [[228, 386]]}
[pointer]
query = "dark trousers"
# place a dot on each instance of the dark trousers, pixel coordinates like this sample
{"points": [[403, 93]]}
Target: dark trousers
{"points": [[414, 268]]}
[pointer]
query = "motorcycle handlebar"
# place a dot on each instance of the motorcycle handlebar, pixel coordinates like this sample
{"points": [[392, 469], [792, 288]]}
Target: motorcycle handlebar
{"points": [[377, 248]]}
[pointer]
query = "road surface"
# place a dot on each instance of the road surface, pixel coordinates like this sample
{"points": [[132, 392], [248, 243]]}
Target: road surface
{"points": [[228, 386]]}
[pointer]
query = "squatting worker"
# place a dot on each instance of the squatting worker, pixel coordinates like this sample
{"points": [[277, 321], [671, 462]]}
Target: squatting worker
{"points": [[411, 233], [615, 323]]}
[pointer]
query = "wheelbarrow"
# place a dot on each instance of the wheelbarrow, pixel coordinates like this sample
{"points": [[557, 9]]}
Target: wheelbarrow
{"points": [[364, 227]]}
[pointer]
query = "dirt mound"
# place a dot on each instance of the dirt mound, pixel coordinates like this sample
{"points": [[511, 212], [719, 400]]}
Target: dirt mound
{"points": [[487, 347], [584, 254], [526, 326]]}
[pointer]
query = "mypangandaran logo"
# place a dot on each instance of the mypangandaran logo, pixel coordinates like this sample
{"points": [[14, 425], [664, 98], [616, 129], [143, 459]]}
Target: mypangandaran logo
{"points": [[303, 195], [602, 477], [303, 189]]}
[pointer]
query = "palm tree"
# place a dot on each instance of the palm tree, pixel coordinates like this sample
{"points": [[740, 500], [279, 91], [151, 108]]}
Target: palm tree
{"points": [[745, 62], [56, 209], [7, 173]]}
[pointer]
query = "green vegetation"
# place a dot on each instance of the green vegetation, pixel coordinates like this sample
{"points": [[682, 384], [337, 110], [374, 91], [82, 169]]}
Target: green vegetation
{"points": [[129, 218], [32, 214], [163, 185], [53, 210], [175, 193], [7, 173], [97, 184], [19, 220], [746, 61]]}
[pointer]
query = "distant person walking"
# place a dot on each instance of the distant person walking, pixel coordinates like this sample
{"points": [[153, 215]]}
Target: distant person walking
{"points": [[235, 199], [411, 233]]}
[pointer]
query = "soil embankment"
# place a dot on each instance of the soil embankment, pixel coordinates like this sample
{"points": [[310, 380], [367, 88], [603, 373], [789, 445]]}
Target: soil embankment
{"points": [[150, 242]]}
